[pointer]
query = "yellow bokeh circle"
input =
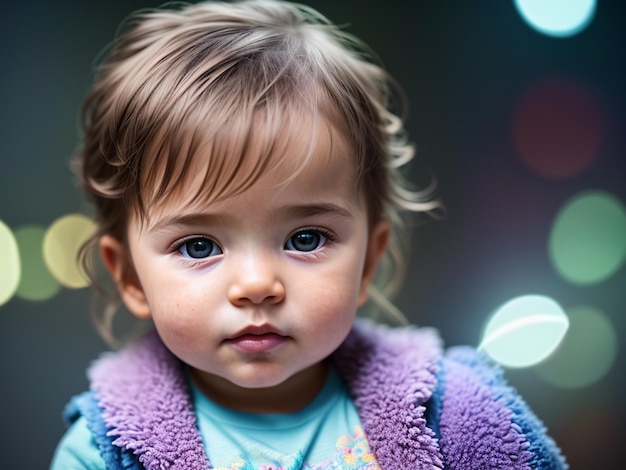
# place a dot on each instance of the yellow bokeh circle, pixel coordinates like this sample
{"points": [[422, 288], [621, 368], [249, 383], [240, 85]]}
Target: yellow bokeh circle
{"points": [[61, 246], [10, 268]]}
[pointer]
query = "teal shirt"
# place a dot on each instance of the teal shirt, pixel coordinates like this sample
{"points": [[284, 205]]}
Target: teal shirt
{"points": [[326, 434]]}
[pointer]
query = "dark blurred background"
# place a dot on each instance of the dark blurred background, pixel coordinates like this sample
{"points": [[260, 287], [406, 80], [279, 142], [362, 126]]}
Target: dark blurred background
{"points": [[524, 131]]}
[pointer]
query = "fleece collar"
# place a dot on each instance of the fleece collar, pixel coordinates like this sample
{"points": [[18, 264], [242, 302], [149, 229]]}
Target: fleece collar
{"points": [[391, 373], [145, 402]]}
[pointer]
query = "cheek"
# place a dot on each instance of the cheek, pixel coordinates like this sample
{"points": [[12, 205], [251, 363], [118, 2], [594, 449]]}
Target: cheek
{"points": [[334, 287], [331, 303], [334, 318], [178, 312]]}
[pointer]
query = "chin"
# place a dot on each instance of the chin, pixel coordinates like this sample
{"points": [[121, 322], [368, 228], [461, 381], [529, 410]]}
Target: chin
{"points": [[259, 380]]}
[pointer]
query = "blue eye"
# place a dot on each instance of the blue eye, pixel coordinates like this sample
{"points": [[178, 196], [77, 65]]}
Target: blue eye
{"points": [[305, 240], [199, 247]]}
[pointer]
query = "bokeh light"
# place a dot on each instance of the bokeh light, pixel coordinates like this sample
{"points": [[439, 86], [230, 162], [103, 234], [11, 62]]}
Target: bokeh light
{"points": [[587, 352], [588, 238], [61, 245], [36, 282], [10, 266], [524, 331], [558, 129], [559, 18]]}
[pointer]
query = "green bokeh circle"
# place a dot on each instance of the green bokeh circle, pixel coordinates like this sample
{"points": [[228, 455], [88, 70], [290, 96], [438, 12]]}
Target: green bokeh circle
{"points": [[588, 239]]}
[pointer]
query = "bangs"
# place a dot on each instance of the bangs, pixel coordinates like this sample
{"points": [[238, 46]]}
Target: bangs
{"points": [[221, 151]]}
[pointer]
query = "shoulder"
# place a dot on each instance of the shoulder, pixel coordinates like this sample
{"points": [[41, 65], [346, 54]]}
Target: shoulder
{"points": [[87, 443], [483, 422], [476, 419], [77, 449]]}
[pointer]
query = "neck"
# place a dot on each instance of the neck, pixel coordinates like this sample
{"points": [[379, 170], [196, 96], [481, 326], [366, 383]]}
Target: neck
{"points": [[287, 397]]}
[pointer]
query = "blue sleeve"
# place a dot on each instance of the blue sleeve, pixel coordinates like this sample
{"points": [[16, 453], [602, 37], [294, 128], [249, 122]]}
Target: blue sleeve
{"points": [[86, 445], [77, 449]]}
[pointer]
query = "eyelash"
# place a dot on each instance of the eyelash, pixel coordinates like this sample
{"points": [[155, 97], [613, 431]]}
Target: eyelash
{"points": [[327, 234], [178, 244]]}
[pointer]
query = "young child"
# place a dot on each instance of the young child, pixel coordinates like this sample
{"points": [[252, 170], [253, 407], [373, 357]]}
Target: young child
{"points": [[244, 167]]}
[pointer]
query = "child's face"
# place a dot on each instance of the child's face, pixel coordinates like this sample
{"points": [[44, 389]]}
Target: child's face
{"points": [[260, 286]]}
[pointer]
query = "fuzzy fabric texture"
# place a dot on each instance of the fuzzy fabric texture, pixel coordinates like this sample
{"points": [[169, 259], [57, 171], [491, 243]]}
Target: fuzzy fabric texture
{"points": [[483, 413], [114, 457], [419, 410], [391, 373], [146, 406], [473, 418]]}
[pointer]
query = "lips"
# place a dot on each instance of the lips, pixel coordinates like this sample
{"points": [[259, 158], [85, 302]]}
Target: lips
{"points": [[257, 339]]}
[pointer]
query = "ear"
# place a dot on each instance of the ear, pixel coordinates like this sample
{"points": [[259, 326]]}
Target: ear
{"points": [[376, 247], [117, 260]]}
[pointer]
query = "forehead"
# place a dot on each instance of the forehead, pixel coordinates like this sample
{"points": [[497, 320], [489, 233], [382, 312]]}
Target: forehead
{"points": [[276, 151]]}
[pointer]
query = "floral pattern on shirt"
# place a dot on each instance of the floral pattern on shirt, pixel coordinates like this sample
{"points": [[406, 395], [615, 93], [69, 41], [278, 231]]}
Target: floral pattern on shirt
{"points": [[353, 453]]}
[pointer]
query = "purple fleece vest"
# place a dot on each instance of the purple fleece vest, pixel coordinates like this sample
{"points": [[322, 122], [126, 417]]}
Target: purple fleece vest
{"points": [[476, 420]]}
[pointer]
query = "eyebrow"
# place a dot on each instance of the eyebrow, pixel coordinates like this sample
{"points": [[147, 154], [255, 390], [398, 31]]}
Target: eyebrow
{"points": [[310, 210], [292, 211]]}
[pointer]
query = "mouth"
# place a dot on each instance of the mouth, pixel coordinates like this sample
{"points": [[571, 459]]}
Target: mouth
{"points": [[257, 339]]}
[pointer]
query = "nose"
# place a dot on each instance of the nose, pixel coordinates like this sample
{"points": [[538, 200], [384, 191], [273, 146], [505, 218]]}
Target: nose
{"points": [[255, 282]]}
